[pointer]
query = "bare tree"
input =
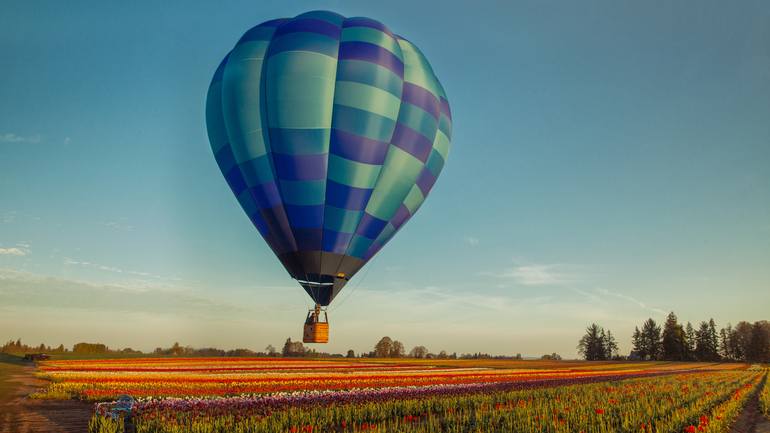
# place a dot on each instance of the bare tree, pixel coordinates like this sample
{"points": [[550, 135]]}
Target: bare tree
{"points": [[397, 350], [419, 352], [384, 348]]}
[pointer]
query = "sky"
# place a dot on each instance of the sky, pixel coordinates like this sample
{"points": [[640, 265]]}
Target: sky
{"points": [[610, 162]]}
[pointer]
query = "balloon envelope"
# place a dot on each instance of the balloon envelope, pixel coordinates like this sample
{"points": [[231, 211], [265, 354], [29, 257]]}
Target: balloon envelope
{"points": [[331, 132]]}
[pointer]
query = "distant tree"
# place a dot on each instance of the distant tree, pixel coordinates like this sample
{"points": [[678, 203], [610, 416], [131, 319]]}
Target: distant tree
{"points": [[397, 349], [552, 357], [442, 355], [705, 346], [603, 337], [418, 352], [89, 348], [270, 350], [351, 354], [689, 333], [674, 340], [759, 344], [636, 345], [591, 345], [610, 346], [651, 346], [383, 348], [293, 348], [725, 349], [176, 349], [713, 340], [517, 357], [741, 339], [240, 352]]}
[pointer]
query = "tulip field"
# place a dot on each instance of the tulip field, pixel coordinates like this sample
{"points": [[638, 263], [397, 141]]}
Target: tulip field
{"points": [[764, 399], [207, 395], [99, 380]]}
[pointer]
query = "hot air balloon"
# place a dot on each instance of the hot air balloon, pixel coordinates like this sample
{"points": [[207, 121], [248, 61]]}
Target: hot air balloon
{"points": [[330, 132]]}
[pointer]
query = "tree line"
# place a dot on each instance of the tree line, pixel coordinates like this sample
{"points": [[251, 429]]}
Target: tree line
{"points": [[673, 341], [17, 347], [384, 348]]}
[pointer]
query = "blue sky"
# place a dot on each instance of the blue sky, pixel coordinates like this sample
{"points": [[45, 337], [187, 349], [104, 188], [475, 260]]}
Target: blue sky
{"points": [[610, 162]]}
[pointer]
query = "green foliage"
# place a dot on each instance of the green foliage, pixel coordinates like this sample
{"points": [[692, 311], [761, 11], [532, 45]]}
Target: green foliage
{"points": [[764, 396], [674, 343], [597, 344], [647, 342]]}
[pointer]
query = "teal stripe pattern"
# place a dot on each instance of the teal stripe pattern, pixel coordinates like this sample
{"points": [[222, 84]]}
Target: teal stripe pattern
{"points": [[330, 132]]}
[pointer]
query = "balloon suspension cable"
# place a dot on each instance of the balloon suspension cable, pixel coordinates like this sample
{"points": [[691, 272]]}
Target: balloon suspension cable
{"points": [[358, 283], [307, 281]]}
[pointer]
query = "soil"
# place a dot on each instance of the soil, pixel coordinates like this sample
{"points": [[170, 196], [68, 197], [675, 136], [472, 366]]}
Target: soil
{"points": [[20, 414], [751, 420]]}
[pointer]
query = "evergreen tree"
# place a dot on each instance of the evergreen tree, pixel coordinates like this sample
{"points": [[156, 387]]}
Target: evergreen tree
{"points": [[651, 341], [636, 342], [674, 339], [705, 349], [689, 333], [713, 340], [725, 348], [591, 345], [610, 346], [603, 339]]}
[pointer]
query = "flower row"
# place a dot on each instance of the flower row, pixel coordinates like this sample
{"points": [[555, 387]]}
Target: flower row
{"points": [[100, 387], [666, 403]]}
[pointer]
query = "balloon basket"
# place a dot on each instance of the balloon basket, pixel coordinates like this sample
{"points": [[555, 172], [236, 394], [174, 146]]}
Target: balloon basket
{"points": [[316, 327]]}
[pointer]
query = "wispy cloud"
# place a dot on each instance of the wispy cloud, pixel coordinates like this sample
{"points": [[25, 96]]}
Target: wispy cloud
{"points": [[10, 137], [8, 217], [24, 289], [13, 251], [119, 225], [114, 269], [631, 299], [472, 241], [539, 274]]}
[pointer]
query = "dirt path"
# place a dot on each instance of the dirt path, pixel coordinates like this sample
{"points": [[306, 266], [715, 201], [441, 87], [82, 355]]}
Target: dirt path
{"points": [[19, 414], [751, 420]]}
